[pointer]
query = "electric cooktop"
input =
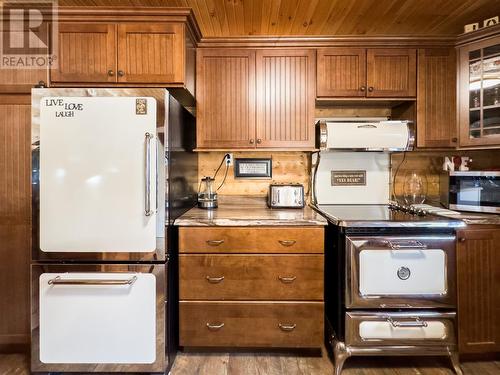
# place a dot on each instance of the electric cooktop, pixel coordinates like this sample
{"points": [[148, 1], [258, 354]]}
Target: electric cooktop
{"points": [[381, 215]]}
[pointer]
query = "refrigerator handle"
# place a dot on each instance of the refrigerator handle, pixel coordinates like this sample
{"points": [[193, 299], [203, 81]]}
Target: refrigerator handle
{"points": [[147, 201]]}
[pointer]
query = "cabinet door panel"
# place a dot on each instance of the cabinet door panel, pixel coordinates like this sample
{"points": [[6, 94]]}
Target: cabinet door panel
{"points": [[15, 214], [87, 53], [225, 90], [391, 72], [341, 72], [285, 98], [436, 101], [478, 277], [151, 53]]}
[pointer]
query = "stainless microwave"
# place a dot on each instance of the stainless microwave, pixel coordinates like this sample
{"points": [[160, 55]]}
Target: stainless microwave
{"points": [[477, 191]]}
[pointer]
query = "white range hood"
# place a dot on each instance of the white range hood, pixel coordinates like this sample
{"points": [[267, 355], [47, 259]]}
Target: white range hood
{"points": [[359, 135]]}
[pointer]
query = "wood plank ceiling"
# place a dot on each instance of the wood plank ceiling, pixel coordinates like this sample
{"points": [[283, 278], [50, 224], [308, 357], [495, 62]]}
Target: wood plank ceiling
{"points": [[225, 18]]}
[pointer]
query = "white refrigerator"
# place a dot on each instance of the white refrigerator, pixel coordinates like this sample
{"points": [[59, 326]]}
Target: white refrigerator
{"points": [[102, 209]]}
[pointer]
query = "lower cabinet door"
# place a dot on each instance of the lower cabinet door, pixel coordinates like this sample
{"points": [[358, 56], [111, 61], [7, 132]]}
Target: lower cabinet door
{"points": [[251, 324], [99, 315]]}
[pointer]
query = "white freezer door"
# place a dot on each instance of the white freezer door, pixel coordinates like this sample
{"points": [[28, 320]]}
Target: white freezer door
{"points": [[93, 174], [98, 323]]}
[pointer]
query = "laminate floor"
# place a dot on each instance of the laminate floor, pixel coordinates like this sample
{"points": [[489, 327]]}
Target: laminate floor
{"points": [[266, 364]]}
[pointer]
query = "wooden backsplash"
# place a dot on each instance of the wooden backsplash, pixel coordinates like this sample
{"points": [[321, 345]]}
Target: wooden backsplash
{"points": [[430, 165], [287, 167]]}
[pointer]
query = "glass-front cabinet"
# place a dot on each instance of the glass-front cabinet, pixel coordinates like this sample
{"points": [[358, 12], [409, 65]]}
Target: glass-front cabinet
{"points": [[480, 93]]}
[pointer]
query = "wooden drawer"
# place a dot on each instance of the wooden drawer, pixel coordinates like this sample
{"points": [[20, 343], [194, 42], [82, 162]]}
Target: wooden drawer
{"points": [[251, 324], [251, 240], [251, 277]]}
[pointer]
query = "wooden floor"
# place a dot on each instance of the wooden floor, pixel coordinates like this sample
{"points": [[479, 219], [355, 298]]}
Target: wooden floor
{"points": [[265, 364]]}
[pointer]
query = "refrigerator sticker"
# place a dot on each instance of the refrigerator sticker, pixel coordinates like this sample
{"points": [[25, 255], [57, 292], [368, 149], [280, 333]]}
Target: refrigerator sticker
{"points": [[63, 108], [141, 106], [348, 178]]}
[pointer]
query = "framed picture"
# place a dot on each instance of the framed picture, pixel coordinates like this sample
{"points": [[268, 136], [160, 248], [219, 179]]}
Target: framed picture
{"points": [[253, 168]]}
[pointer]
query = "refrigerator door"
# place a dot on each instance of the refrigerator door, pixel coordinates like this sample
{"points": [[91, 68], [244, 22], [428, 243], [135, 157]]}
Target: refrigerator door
{"points": [[100, 155]]}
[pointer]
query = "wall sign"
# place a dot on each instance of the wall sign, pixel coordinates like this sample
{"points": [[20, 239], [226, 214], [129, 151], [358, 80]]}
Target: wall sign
{"points": [[256, 168], [348, 178]]}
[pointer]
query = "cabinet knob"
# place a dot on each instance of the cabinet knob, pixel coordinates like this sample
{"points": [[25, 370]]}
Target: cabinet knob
{"points": [[111, 72], [259, 141], [251, 141], [370, 88], [362, 88], [121, 73], [454, 139], [462, 239]]}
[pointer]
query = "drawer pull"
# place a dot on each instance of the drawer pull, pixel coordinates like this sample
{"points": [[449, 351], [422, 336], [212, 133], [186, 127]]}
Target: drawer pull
{"points": [[58, 281], [287, 327], [214, 280], [417, 323], [215, 242], [287, 279], [411, 244], [395, 305], [215, 327], [287, 242]]}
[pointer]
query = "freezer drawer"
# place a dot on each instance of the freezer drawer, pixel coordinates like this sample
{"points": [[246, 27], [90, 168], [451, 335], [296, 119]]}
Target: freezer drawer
{"points": [[98, 318], [400, 272], [415, 328]]}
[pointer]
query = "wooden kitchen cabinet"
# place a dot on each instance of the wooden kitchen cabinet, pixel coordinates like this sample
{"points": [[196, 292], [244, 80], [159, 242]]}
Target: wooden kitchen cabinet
{"points": [[86, 53], [285, 98], [478, 279], [255, 99], [15, 220], [436, 98], [479, 93], [367, 73], [251, 287], [225, 88]]}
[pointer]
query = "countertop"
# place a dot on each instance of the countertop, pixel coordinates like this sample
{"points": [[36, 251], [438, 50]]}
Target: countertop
{"points": [[249, 211], [469, 218]]}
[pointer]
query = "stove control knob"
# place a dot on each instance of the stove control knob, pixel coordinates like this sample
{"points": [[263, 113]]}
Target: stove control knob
{"points": [[404, 273]]}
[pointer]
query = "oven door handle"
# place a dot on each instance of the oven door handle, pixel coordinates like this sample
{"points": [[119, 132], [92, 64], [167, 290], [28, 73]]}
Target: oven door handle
{"points": [[407, 245], [58, 281], [417, 323]]}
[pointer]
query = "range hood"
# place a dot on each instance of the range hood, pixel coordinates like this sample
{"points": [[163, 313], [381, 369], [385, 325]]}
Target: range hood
{"points": [[359, 135]]}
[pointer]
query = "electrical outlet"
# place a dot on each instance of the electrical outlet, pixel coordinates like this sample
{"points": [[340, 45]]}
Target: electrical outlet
{"points": [[229, 159]]}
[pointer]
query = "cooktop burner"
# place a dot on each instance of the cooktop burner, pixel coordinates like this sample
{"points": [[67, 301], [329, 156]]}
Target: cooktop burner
{"points": [[380, 215]]}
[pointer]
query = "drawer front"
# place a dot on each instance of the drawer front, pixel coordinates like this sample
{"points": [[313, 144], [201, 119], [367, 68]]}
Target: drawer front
{"points": [[250, 277], [251, 324], [397, 272], [418, 328], [251, 240]]}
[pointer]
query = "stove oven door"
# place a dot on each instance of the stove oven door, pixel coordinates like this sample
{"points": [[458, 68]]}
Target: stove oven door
{"points": [[400, 272]]}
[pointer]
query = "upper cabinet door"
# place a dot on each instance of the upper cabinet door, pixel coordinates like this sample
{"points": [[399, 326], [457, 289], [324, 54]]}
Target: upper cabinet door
{"points": [[285, 98], [391, 72], [87, 53], [151, 53], [436, 100], [341, 72], [225, 93]]}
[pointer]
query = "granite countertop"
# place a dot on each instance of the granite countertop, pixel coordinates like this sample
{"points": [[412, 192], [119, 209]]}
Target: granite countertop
{"points": [[249, 211]]}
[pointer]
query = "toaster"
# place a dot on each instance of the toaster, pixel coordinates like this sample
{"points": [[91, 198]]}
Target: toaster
{"points": [[286, 196]]}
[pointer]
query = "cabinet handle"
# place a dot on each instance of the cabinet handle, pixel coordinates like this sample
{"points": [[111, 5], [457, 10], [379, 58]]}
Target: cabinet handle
{"points": [[215, 327], [121, 73], [417, 323], [370, 88], [395, 305], [287, 243], [251, 141], [215, 242], [362, 88], [111, 73], [259, 141], [214, 280], [287, 327], [462, 239], [147, 197], [287, 279], [454, 139]]}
